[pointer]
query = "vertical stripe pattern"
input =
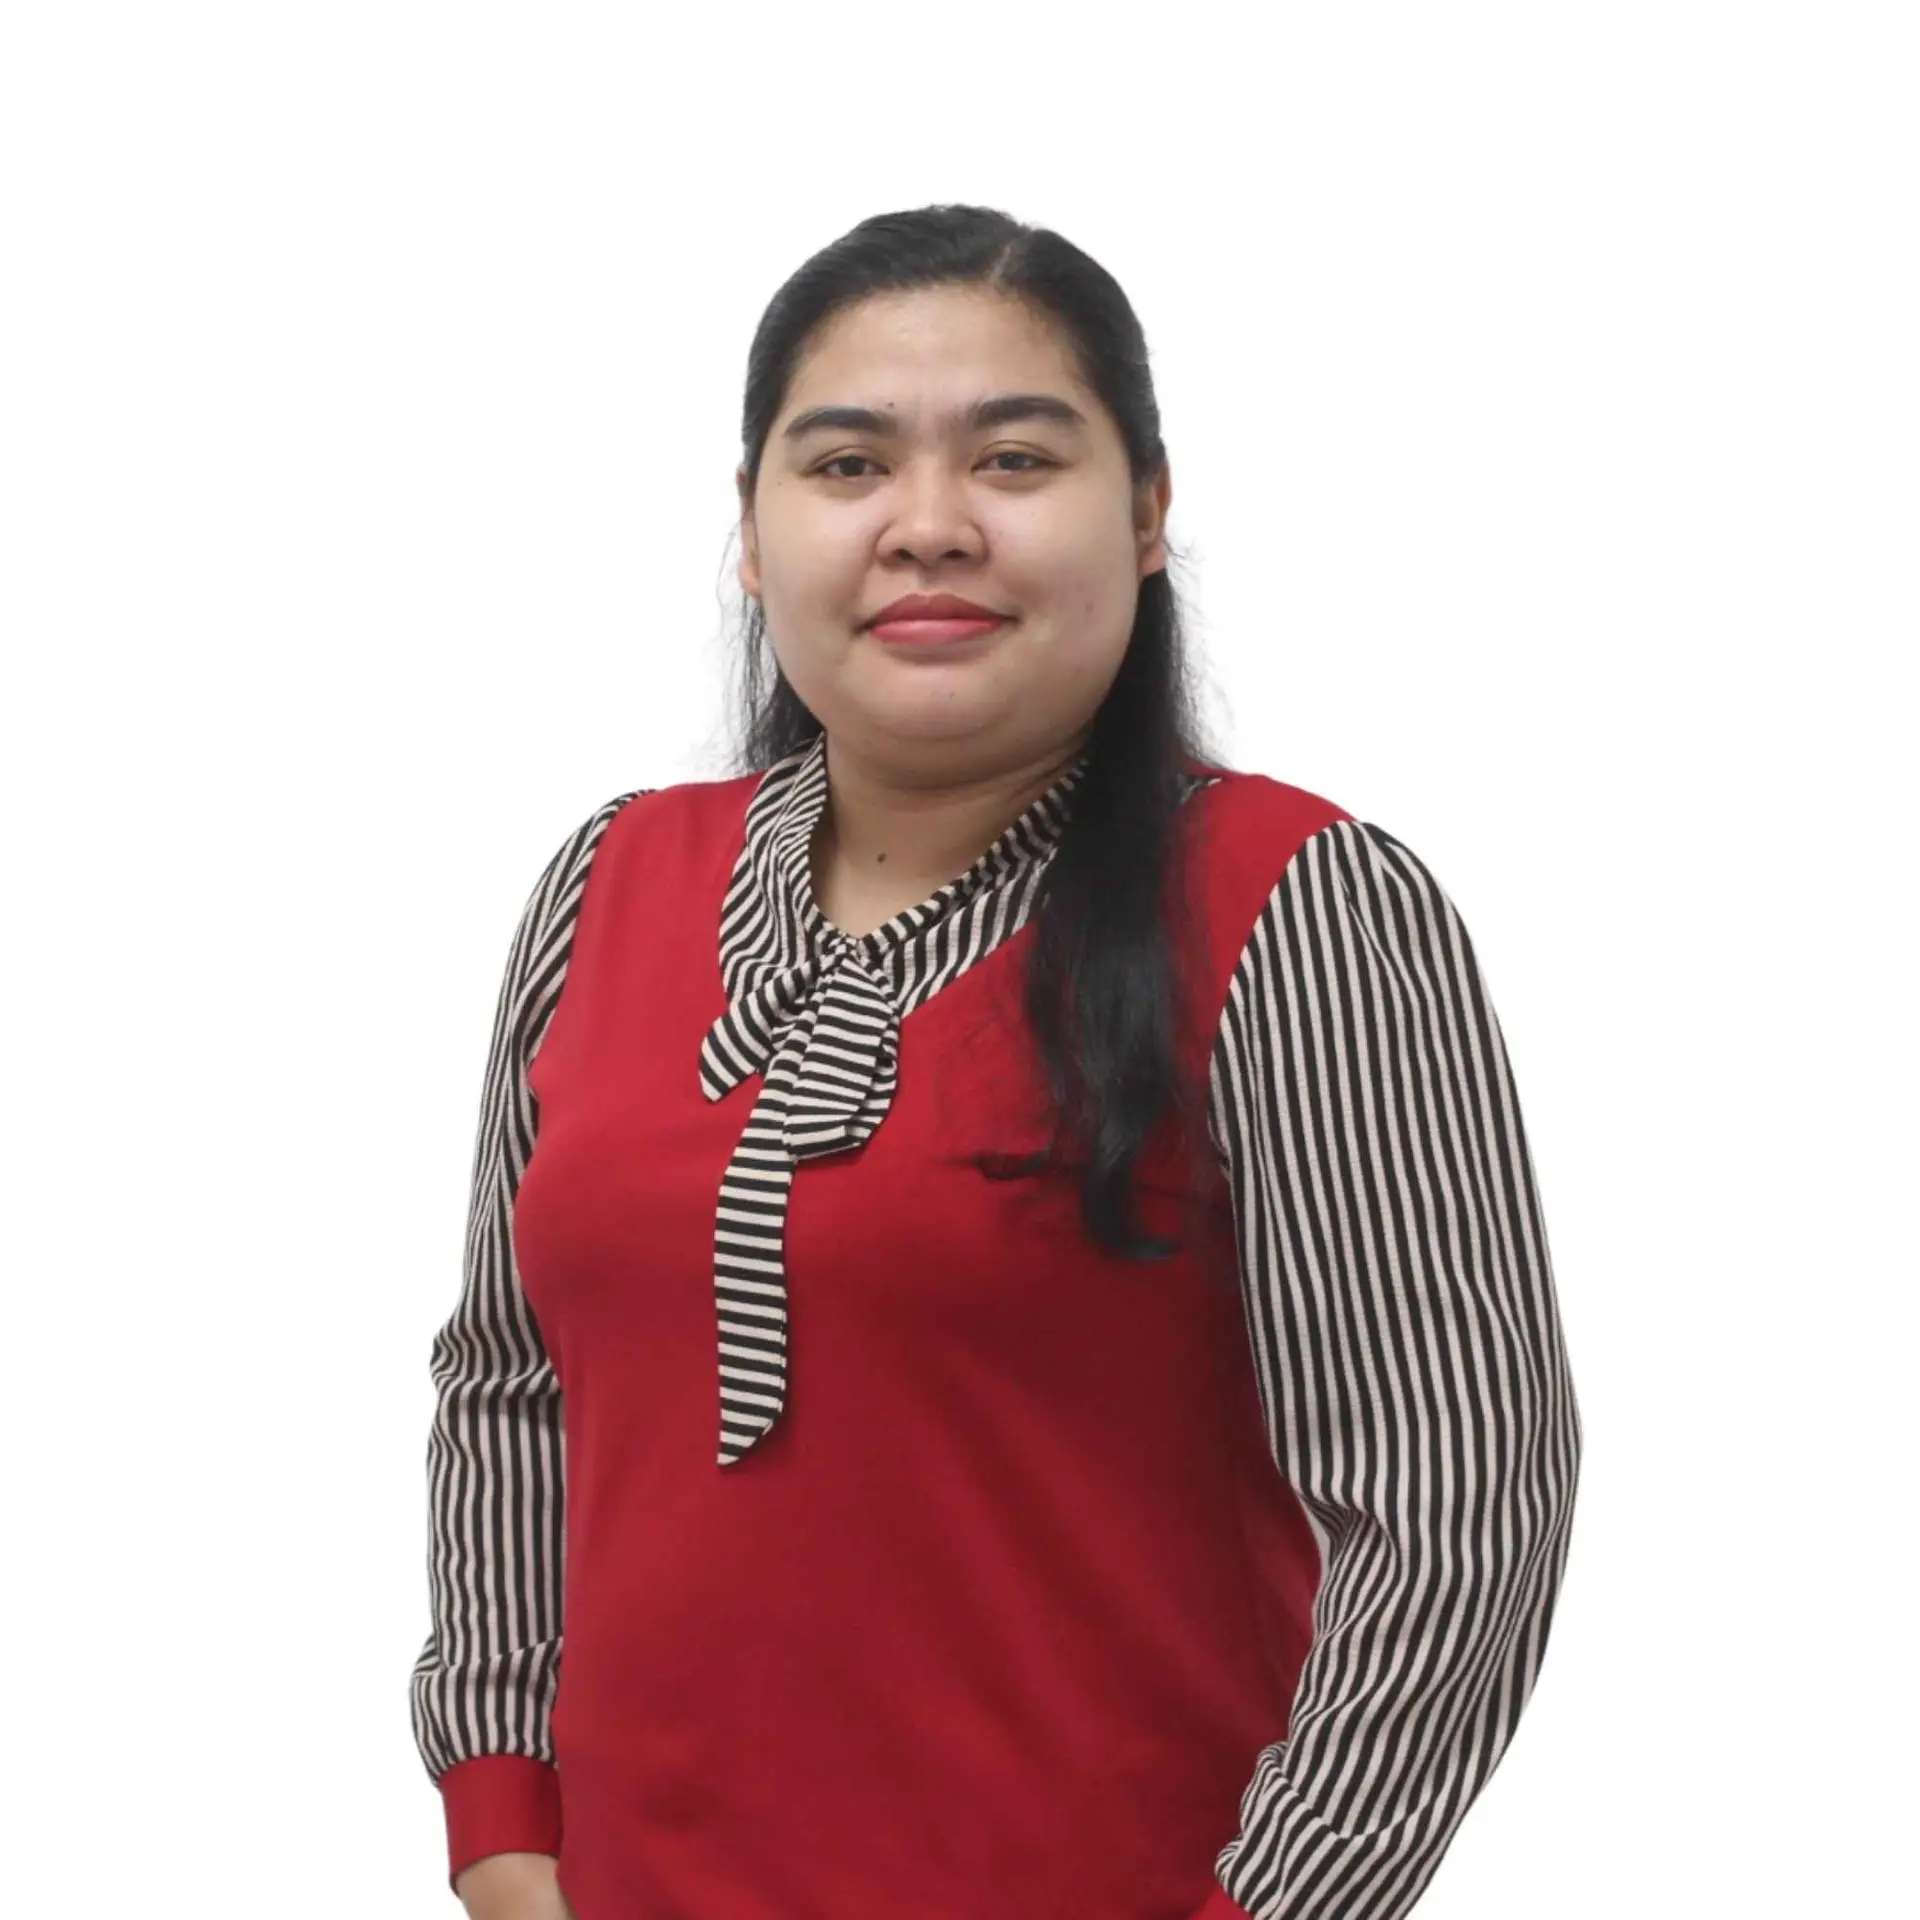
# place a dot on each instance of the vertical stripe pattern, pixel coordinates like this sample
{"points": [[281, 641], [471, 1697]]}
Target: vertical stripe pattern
{"points": [[484, 1683], [1408, 1351]]}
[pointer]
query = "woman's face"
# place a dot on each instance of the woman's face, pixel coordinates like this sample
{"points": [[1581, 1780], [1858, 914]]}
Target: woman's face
{"points": [[1035, 518]]}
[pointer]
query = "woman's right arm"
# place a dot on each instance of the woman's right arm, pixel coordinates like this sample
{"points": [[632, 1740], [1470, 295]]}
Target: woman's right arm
{"points": [[483, 1687]]}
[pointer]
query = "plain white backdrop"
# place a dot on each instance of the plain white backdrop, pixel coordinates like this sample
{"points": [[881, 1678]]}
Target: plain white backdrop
{"points": [[1540, 384]]}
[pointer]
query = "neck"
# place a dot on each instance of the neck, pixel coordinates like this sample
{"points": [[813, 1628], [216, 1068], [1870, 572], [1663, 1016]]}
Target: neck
{"points": [[882, 827]]}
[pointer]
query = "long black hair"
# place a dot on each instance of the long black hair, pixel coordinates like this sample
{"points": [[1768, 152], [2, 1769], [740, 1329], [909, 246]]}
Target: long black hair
{"points": [[1102, 988]]}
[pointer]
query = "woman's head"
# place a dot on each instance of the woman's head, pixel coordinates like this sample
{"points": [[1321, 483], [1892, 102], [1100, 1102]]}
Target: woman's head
{"points": [[916, 317], [1037, 515], [923, 313]]}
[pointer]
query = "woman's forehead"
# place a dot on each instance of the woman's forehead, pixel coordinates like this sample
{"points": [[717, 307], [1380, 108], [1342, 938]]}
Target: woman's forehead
{"points": [[953, 345]]}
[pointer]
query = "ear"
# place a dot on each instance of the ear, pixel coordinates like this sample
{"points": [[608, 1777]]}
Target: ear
{"points": [[749, 537], [1150, 520]]}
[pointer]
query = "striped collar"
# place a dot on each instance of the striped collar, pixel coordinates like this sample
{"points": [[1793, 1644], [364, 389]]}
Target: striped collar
{"points": [[786, 810]]}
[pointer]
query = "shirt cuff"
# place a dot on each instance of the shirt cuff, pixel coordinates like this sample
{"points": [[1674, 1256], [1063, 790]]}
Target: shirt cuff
{"points": [[501, 1803]]}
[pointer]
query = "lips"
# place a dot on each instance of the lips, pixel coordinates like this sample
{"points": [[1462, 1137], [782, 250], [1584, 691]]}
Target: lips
{"points": [[921, 632], [933, 606], [928, 618]]}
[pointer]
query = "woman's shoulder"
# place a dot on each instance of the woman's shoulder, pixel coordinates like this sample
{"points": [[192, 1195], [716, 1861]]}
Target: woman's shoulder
{"points": [[1276, 847], [1256, 823], [1264, 839], [650, 832], [685, 803]]}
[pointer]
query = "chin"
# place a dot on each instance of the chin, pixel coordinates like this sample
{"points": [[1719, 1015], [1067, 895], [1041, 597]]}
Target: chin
{"points": [[924, 722]]}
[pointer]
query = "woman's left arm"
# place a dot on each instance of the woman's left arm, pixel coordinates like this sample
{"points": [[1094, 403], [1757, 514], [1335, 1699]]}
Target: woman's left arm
{"points": [[1407, 1344]]}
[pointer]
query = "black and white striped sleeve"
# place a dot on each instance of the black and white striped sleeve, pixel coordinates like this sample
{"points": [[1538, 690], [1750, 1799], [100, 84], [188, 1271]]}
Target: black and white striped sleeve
{"points": [[1405, 1333], [482, 1688]]}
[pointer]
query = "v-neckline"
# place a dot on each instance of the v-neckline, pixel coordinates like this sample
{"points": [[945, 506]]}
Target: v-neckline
{"points": [[792, 828]]}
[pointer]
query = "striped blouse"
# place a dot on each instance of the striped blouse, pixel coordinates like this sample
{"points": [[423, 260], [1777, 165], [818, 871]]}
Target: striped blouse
{"points": [[1392, 1265]]}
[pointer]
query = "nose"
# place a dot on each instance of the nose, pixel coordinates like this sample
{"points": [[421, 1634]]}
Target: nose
{"points": [[933, 515]]}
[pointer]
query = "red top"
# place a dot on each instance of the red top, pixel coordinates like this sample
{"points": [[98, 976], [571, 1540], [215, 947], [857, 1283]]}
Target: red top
{"points": [[1002, 1612]]}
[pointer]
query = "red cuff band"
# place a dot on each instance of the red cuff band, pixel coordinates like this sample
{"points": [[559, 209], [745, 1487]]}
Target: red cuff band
{"points": [[499, 1803]]}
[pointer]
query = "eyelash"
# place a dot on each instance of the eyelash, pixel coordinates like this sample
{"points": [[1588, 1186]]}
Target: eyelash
{"points": [[1005, 453]]}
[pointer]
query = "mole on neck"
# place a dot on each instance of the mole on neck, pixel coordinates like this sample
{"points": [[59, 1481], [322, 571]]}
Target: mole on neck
{"points": [[858, 899], [909, 842]]}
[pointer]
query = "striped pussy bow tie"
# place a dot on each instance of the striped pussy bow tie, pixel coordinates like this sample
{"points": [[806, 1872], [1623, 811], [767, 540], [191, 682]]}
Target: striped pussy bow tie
{"points": [[817, 1013]]}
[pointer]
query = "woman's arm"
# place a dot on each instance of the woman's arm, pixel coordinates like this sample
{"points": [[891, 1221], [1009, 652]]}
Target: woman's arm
{"points": [[1407, 1345], [483, 1687]]}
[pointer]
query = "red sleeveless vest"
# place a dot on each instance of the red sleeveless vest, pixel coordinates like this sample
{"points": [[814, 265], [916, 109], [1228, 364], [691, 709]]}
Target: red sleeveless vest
{"points": [[999, 1617]]}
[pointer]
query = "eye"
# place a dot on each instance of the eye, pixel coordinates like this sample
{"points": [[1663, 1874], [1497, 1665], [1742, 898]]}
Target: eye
{"points": [[1005, 453]]}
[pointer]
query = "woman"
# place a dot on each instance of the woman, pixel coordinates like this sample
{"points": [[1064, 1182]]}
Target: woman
{"points": [[1027, 1340]]}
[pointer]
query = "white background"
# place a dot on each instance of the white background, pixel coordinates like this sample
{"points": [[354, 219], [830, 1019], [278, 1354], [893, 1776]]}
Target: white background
{"points": [[1540, 382]]}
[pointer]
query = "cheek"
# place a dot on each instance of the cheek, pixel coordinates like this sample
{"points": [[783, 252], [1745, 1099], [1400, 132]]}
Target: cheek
{"points": [[811, 592], [1089, 618], [1081, 570], [810, 664], [813, 581], [810, 557]]}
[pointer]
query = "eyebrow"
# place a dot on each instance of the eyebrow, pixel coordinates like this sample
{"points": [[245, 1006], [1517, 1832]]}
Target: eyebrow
{"points": [[1000, 410]]}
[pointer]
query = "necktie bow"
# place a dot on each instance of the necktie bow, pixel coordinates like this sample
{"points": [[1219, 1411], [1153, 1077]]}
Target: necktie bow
{"points": [[831, 1027]]}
